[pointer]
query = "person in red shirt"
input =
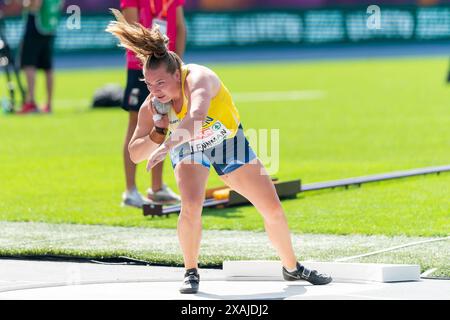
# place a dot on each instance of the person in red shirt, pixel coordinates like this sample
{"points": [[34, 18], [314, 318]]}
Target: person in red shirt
{"points": [[169, 15]]}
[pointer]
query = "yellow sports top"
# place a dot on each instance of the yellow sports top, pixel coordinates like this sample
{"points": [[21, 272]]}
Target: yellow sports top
{"points": [[222, 121]]}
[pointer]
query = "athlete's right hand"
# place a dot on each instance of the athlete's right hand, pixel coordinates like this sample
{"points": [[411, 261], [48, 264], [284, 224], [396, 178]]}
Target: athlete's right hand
{"points": [[159, 120]]}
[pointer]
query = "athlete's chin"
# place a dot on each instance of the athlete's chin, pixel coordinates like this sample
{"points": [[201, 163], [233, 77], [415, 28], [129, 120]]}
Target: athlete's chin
{"points": [[165, 99]]}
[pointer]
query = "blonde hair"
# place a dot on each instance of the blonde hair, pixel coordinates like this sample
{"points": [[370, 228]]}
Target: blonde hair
{"points": [[149, 45]]}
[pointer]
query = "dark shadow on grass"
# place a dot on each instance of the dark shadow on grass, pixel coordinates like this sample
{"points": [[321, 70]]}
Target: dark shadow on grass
{"points": [[228, 212], [234, 212]]}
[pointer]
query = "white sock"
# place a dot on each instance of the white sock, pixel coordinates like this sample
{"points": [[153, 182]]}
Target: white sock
{"points": [[292, 270], [131, 191]]}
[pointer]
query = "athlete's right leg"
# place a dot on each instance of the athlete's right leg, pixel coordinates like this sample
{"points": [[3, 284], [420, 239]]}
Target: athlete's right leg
{"points": [[191, 178]]}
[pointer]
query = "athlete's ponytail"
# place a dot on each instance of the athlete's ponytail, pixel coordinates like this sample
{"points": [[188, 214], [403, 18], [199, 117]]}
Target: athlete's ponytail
{"points": [[149, 45]]}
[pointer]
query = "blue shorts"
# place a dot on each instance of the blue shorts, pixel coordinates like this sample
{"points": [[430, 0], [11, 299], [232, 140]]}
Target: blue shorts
{"points": [[225, 157]]}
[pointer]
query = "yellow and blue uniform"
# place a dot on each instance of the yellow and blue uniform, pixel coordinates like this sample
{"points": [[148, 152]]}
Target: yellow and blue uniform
{"points": [[221, 142]]}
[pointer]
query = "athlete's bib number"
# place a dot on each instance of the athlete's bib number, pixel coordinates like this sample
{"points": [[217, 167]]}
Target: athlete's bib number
{"points": [[210, 137]]}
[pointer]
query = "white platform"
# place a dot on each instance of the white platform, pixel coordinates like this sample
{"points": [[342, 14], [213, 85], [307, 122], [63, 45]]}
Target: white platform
{"points": [[67, 280], [340, 271]]}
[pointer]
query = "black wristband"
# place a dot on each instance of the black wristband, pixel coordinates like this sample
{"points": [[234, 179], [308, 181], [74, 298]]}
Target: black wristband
{"points": [[162, 131]]}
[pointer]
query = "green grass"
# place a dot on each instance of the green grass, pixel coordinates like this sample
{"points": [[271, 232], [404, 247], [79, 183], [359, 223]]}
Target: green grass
{"points": [[376, 116], [161, 245]]}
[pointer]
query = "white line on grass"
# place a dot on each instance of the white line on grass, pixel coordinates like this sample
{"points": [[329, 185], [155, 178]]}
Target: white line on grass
{"points": [[391, 249], [428, 272]]}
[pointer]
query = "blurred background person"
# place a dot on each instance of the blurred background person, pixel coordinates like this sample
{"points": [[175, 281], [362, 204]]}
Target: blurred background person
{"points": [[169, 15], [214, 5], [36, 52]]}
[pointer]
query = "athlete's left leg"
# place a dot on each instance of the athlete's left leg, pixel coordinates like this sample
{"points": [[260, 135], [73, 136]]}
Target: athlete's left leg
{"points": [[252, 181]]}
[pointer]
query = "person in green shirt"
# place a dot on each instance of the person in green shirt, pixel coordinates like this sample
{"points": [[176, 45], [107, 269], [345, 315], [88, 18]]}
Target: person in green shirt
{"points": [[36, 50]]}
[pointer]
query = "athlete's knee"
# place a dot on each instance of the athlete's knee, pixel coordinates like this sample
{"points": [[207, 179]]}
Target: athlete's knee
{"points": [[274, 213], [191, 211]]}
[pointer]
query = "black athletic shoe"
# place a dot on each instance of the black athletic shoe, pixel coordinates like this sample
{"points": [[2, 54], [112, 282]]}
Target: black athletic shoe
{"points": [[302, 273], [191, 281]]}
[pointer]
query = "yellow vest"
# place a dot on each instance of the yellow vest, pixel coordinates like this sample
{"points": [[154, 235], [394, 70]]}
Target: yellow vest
{"points": [[222, 121]]}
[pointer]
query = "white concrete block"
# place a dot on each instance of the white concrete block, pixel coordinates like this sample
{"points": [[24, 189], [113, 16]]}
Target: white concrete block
{"points": [[340, 271]]}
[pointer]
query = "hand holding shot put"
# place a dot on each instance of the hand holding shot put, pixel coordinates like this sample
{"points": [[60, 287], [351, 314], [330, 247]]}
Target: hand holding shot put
{"points": [[161, 122]]}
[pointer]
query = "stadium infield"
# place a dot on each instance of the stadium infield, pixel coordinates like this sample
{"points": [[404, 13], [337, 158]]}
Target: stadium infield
{"points": [[370, 116]]}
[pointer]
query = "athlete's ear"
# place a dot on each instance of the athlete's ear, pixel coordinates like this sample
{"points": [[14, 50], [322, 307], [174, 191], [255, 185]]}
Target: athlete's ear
{"points": [[178, 75]]}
